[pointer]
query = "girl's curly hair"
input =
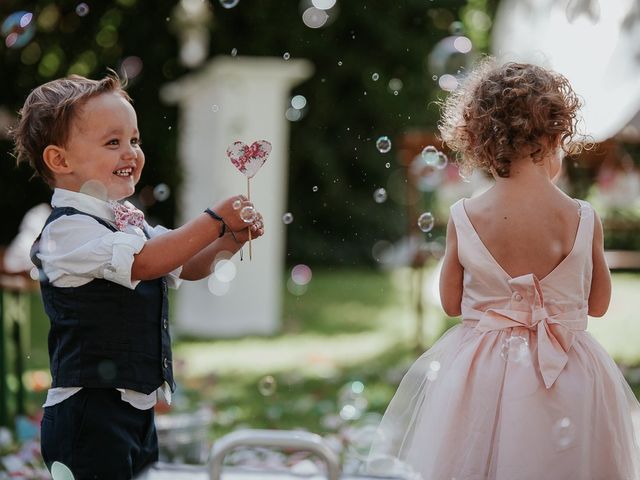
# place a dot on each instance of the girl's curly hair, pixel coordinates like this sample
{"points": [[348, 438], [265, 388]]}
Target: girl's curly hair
{"points": [[503, 112]]}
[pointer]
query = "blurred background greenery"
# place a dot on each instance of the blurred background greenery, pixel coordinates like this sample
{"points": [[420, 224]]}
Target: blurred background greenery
{"points": [[332, 147]]}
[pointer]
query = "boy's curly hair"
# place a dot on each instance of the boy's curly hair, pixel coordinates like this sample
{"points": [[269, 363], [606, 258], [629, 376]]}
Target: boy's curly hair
{"points": [[503, 112], [47, 114]]}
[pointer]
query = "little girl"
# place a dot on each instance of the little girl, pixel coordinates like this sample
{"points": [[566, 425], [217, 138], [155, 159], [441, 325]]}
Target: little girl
{"points": [[518, 390]]}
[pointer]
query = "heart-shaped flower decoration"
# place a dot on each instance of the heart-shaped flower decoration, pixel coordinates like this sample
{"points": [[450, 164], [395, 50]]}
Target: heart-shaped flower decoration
{"points": [[249, 158]]}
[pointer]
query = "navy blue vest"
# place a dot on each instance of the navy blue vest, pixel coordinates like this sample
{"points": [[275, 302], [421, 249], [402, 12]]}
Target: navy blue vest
{"points": [[106, 335]]}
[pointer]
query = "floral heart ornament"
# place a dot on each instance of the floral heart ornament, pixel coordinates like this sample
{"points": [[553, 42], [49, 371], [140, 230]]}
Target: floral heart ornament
{"points": [[249, 158]]}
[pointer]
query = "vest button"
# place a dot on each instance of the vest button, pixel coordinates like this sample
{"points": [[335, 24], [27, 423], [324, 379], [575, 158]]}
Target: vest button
{"points": [[518, 297], [165, 323], [165, 362]]}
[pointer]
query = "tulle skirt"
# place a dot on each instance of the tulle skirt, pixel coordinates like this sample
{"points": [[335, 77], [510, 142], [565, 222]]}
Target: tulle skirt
{"points": [[474, 406]]}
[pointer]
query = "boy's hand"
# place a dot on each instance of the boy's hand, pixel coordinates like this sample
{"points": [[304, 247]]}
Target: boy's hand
{"points": [[257, 230], [230, 208]]}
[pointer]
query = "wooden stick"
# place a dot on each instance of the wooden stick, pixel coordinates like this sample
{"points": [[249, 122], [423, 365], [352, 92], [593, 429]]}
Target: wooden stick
{"points": [[249, 198]]}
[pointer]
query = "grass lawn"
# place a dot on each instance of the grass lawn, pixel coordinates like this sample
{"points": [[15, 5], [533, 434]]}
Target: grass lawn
{"points": [[347, 341]]}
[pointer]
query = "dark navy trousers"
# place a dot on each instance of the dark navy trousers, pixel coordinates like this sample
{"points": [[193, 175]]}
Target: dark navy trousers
{"points": [[99, 436]]}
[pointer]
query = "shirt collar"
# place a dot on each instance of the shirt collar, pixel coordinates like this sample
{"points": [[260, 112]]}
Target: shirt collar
{"points": [[83, 202]]}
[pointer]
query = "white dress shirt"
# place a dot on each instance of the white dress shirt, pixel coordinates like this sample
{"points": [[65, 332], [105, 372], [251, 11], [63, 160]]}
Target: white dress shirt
{"points": [[75, 249]]}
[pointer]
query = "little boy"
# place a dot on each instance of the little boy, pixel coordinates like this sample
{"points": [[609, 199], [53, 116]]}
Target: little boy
{"points": [[105, 274]]}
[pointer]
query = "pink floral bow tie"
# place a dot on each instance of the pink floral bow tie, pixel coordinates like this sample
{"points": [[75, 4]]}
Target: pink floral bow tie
{"points": [[127, 214]]}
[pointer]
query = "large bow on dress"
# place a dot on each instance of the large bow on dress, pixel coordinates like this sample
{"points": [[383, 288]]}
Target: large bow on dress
{"points": [[555, 333]]}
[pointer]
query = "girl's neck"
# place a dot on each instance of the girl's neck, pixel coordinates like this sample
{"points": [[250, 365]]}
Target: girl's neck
{"points": [[527, 177]]}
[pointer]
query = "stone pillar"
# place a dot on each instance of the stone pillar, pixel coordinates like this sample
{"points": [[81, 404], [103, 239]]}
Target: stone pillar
{"points": [[229, 99]]}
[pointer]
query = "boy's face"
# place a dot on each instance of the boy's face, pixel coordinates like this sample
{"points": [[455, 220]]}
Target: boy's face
{"points": [[103, 150]]}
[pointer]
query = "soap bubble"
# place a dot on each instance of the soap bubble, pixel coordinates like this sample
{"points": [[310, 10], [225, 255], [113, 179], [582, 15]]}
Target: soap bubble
{"points": [[229, 3], [287, 218], [161, 192], [564, 433], [301, 274], [380, 195], [82, 9], [131, 67], [59, 471], [267, 386], [383, 251], [425, 222], [427, 177], [315, 188], [314, 17], [515, 349], [298, 102], [387, 165], [18, 29], [432, 157], [375, 77], [456, 28], [323, 4], [383, 144], [428, 154], [225, 270], [248, 214], [462, 44], [395, 85], [441, 161], [449, 59], [237, 204], [293, 114], [434, 368], [34, 273], [216, 287], [448, 82], [351, 400], [286, 55]]}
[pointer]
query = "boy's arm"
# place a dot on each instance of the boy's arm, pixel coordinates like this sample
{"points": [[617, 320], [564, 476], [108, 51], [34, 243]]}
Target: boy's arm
{"points": [[600, 294], [451, 275], [164, 253]]}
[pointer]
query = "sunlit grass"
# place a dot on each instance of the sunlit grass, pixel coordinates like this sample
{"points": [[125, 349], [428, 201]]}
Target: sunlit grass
{"points": [[345, 318]]}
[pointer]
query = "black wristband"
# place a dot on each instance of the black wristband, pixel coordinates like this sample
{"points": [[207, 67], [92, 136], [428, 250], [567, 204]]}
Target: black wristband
{"points": [[217, 217]]}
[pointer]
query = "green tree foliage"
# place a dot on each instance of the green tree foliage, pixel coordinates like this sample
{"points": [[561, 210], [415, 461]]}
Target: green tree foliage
{"points": [[332, 146]]}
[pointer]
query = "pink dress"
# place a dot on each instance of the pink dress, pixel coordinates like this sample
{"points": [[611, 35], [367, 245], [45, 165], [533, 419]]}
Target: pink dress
{"points": [[519, 390]]}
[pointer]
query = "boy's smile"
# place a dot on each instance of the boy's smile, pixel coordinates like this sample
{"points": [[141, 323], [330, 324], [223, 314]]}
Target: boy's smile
{"points": [[103, 153]]}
